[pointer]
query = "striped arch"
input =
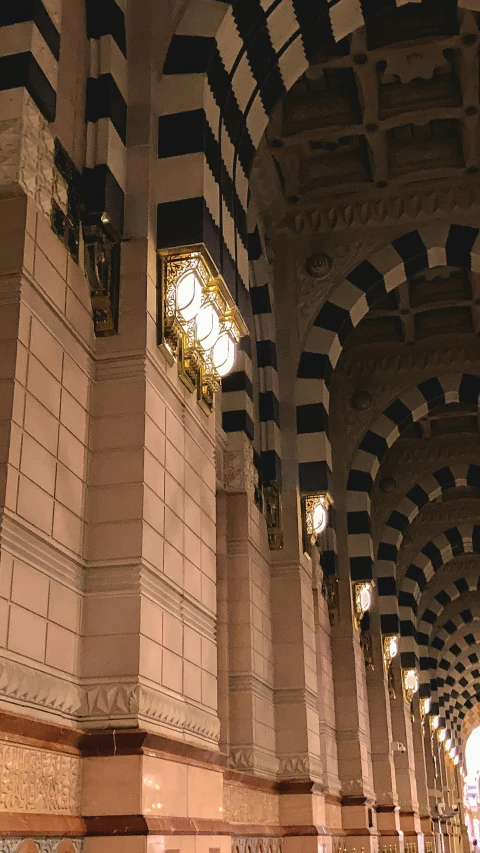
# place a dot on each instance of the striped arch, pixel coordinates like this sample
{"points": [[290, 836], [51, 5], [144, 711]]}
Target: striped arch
{"points": [[34, 34], [238, 405], [464, 539], [262, 299], [446, 685], [413, 404], [471, 721], [451, 592], [463, 648], [224, 72], [422, 493], [106, 110], [466, 662], [455, 706], [455, 245]]}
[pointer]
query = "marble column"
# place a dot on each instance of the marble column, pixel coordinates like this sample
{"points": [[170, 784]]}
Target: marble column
{"points": [[405, 770], [387, 806]]}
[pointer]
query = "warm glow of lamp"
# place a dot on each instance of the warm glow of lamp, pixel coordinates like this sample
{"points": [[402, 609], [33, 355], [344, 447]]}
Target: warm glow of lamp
{"points": [[315, 509], [199, 322], [425, 704], [448, 744], [442, 734], [362, 600], [411, 680], [207, 326], [223, 354], [365, 597], [456, 760], [434, 722], [189, 295], [452, 752], [391, 647], [410, 683], [319, 519]]}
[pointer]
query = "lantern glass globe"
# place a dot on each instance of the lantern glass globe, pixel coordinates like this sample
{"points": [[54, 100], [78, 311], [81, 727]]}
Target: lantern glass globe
{"points": [[393, 647], [319, 519], [223, 354], [207, 327], [189, 295]]}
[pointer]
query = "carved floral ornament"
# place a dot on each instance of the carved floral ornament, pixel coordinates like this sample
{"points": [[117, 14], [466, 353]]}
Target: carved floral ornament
{"points": [[40, 781], [40, 845]]}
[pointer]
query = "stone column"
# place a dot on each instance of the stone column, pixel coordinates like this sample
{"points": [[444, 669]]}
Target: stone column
{"points": [[387, 807], [251, 708], [296, 715], [405, 761], [421, 770], [433, 780], [353, 726], [326, 702]]}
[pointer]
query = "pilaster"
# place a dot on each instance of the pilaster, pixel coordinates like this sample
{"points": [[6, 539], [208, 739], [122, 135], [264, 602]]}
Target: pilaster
{"points": [[387, 805], [405, 760]]}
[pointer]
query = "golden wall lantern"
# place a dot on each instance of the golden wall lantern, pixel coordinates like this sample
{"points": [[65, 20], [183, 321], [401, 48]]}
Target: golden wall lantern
{"points": [[410, 683], [199, 324], [362, 600]]}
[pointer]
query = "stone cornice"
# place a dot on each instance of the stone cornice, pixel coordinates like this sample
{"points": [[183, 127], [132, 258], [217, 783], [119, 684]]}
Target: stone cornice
{"points": [[112, 704], [439, 203]]}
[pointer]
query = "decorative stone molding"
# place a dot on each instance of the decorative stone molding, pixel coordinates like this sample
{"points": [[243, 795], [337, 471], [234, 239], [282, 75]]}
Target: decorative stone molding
{"points": [[248, 806], [436, 204], [42, 845], [256, 845], [250, 683], [240, 474], [38, 780], [313, 290], [27, 154], [254, 760], [22, 685], [298, 766], [105, 702], [416, 361], [415, 64]]}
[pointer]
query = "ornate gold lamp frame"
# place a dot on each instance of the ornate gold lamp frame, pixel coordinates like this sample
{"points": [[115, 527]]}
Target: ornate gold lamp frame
{"points": [[315, 516], [362, 600], [409, 684], [390, 651], [178, 334]]}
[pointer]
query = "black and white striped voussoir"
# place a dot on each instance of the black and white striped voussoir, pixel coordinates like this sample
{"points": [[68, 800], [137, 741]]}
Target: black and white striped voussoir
{"points": [[453, 542], [413, 404], [106, 111], [458, 656], [350, 302], [251, 54], [34, 65], [422, 493], [261, 295], [429, 618]]}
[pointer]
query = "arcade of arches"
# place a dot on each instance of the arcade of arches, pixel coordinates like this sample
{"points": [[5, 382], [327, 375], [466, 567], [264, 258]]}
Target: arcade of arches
{"points": [[239, 583]]}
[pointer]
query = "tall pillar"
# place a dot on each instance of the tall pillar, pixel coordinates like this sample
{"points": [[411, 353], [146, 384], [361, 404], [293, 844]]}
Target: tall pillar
{"points": [[433, 782], [405, 761], [387, 807], [421, 770], [296, 714], [251, 709], [326, 703], [353, 726]]}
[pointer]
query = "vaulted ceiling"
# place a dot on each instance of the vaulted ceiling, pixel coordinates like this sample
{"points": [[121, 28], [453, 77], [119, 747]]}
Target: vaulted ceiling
{"points": [[389, 112]]}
